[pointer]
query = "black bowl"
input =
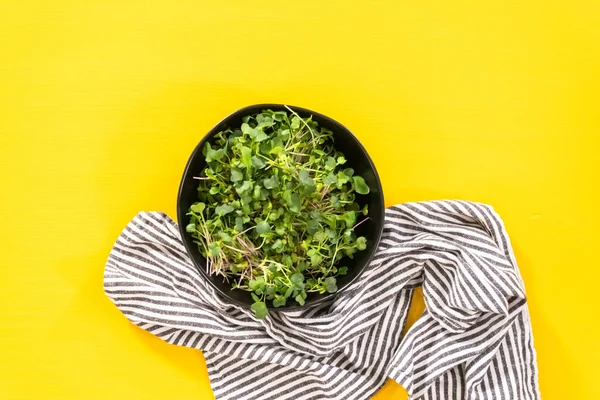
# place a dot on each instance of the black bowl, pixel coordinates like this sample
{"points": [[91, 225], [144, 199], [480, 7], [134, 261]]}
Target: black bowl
{"points": [[358, 159]]}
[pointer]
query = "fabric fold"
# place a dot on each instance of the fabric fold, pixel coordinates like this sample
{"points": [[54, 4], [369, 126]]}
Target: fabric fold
{"points": [[472, 342]]}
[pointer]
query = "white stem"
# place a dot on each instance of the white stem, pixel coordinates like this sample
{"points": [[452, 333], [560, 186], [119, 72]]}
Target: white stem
{"points": [[305, 124]]}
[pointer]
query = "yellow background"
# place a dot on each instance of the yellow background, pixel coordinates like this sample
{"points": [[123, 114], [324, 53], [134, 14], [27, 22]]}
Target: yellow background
{"points": [[101, 103]]}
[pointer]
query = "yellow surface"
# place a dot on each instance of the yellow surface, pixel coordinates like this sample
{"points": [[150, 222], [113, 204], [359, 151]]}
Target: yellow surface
{"points": [[101, 103]]}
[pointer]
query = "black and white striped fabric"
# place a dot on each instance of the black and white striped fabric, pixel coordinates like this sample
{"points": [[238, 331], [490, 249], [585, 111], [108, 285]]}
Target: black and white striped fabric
{"points": [[473, 341]]}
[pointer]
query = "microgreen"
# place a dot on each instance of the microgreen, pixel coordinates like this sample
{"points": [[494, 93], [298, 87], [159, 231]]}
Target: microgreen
{"points": [[277, 209]]}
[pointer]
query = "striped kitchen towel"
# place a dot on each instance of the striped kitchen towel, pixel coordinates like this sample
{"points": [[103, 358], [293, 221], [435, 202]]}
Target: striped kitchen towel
{"points": [[473, 341]]}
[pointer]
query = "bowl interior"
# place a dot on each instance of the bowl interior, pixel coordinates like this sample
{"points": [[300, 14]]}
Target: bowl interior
{"points": [[358, 159]]}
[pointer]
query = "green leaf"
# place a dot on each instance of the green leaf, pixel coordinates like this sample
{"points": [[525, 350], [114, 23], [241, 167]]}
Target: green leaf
{"points": [[207, 149], [293, 201], [342, 270], [307, 190], [246, 198], [288, 292], [331, 234], [236, 175], [361, 243], [217, 155], [257, 284], [260, 136], [260, 309], [223, 209], [213, 155], [198, 207], [246, 129], [330, 284], [280, 230], [341, 160], [299, 299], [297, 278], [190, 228], [349, 218], [284, 135], [295, 122], [214, 249], [335, 202], [258, 162], [301, 266], [246, 156], [279, 301], [305, 178], [246, 209], [225, 237], [287, 260], [360, 185], [256, 193], [349, 172], [331, 163], [319, 236], [313, 226], [342, 179], [262, 227], [315, 260], [277, 150], [244, 188], [270, 292], [272, 182], [330, 179], [239, 224]]}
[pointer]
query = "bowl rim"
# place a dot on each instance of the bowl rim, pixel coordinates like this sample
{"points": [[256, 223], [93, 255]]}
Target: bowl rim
{"points": [[300, 110]]}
